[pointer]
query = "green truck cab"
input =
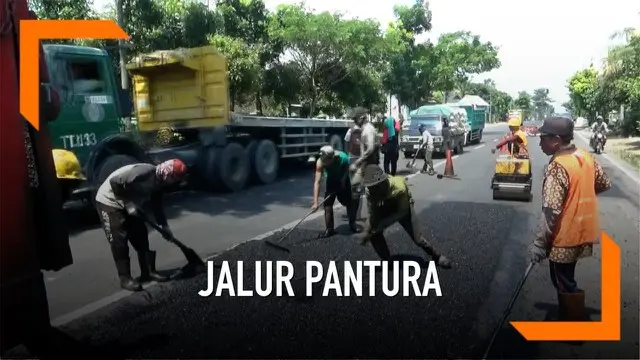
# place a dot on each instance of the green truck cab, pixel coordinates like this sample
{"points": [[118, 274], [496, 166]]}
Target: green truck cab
{"points": [[88, 129]]}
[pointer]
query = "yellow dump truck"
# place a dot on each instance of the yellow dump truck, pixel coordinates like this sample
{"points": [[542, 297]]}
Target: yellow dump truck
{"points": [[183, 96]]}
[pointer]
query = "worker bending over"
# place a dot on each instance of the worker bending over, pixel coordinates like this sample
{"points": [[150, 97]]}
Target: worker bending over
{"points": [[389, 201], [427, 145], [334, 166], [570, 224], [119, 200], [515, 142]]}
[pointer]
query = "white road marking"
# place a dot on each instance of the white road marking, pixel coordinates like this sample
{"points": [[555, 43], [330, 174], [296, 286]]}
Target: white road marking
{"points": [[495, 140], [613, 161], [479, 146], [97, 305]]}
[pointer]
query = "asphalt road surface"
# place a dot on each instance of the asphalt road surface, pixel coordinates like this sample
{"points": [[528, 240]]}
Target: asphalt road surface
{"points": [[486, 240]]}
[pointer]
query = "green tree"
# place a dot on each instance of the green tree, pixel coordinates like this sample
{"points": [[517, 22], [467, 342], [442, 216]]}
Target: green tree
{"points": [[248, 20], [325, 47], [462, 54], [62, 10], [541, 103], [524, 103], [583, 88], [242, 66]]}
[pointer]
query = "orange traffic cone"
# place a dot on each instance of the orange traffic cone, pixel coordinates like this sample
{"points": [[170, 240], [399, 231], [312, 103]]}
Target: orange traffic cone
{"points": [[448, 167]]}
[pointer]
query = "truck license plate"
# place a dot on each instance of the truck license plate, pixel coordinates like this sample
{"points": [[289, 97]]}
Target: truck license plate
{"points": [[416, 147]]}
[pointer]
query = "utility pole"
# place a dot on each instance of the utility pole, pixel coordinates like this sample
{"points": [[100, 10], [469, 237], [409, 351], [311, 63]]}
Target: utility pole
{"points": [[124, 79], [490, 106]]}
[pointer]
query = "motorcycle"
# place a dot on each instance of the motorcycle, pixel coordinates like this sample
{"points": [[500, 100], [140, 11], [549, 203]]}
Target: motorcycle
{"points": [[598, 143]]}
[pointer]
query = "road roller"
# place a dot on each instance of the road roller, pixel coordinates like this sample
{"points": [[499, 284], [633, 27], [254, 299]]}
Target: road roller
{"points": [[512, 179]]}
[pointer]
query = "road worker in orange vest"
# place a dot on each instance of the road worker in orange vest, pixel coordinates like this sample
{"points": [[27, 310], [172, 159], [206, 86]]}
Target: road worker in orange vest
{"points": [[515, 142], [570, 223]]}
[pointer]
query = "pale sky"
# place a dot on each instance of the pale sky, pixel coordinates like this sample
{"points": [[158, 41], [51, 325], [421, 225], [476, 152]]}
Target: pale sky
{"points": [[542, 43]]}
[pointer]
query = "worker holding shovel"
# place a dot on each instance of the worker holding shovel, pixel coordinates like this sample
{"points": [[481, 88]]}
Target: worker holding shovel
{"points": [[118, 201], [427, 145], [334, 166], [389, 201]]}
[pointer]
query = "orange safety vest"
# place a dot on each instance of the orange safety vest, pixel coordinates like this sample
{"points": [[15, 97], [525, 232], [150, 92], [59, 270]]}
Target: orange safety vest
{"points": [[522, 147], [579, 222]]}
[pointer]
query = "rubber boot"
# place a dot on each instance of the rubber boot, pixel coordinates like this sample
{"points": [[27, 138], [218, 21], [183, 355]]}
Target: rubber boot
{"points": [[571, 306], [328, 220], [440, 259], [381, 248], [147, 261], [124, 272]]}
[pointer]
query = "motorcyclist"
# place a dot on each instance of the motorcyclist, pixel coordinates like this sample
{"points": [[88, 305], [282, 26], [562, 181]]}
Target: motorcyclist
{"points": [[599, 127]]}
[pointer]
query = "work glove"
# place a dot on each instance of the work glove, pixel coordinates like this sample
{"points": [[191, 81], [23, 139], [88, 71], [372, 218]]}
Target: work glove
{"points": [[132, 209], [538, 251], [167, 234], [353, 168]]}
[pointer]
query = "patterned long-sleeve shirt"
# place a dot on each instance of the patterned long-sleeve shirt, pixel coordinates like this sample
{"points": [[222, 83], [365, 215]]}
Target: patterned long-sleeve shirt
{"points": [[554, 191]]}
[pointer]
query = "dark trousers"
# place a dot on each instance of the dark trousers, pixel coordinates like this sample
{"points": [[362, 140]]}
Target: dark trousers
{"points": [[121, 228], [410, 224], [563, 277], [391, 154], [428, 159], [342, 192]]}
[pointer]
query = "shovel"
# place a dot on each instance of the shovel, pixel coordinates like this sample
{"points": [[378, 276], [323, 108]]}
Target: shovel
{"points": [[411, 163], [192, 257], [277, 245]]}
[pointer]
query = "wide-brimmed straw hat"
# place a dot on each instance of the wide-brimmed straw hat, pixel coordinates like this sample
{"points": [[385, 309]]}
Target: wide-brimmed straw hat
{"points": [[373, 175]]}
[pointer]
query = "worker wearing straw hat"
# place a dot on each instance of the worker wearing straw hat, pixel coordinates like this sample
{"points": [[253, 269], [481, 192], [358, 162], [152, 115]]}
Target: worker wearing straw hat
{"points": [[389, 201]]}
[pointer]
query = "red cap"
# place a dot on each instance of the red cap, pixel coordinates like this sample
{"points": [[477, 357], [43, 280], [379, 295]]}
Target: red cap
{"points": [[174, 168]]}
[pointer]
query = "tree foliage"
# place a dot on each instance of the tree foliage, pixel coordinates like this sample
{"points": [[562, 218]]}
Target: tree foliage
{"points": [[524, 103], [541, 103], [294, 55], [614, 87]]}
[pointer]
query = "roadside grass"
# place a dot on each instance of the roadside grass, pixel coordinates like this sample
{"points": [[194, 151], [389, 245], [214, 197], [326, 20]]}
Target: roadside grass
{"points": [[627, 149]]}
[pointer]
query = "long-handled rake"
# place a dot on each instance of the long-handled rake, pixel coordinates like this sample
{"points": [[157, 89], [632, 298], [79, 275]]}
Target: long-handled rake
{"points": [[276, 244], [507, 311]]}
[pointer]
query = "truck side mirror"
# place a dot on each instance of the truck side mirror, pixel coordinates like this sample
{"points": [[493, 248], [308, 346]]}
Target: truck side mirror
{"points": [[125, 103]]}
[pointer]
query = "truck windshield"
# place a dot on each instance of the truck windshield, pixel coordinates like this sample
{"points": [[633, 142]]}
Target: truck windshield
{"points": [[77, 76], [432, 124]]}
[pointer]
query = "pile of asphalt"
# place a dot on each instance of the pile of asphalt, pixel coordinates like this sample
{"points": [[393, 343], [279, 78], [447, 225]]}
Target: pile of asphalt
{"points": [[173, 321]]}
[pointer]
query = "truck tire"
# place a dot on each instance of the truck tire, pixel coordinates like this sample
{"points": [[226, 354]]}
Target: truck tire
{"points": [[233, 167], [206, 170], [265, 161], [336, 142]]}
